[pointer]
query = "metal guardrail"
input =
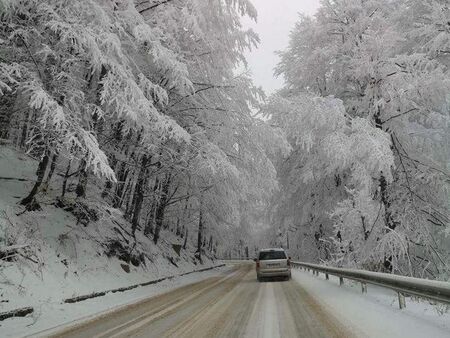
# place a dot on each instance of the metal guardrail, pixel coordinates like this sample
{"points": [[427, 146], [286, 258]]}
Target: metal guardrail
{"points": [[429, 289]]}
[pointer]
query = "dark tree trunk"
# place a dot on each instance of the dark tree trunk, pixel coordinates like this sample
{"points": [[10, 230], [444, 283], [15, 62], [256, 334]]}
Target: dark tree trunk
{"points": [[149, 229], [200, 234], [108, 183], [126, 199], [121, 178], [66, 177], [130, 198], [23, 137], [52, 168], [82, 180], [7, 101], [161, 208], [42, 167], [139, 194], [185, 239], [178, 229], [388, 218]]}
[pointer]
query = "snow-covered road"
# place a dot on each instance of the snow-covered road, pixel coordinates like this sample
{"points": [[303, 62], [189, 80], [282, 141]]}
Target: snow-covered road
{"points": [[231, 305]]}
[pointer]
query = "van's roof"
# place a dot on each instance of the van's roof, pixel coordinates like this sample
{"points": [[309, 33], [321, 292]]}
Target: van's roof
{"points": [[271, 249]]}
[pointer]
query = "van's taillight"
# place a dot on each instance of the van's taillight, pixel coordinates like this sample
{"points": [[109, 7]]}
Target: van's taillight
{"points": [[257, 264]]}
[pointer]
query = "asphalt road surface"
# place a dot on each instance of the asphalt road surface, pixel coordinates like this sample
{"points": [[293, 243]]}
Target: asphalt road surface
{"points": [[233, 304]]}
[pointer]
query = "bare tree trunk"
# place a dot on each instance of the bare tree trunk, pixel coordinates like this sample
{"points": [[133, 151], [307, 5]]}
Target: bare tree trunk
{"points": [[82, 181], [200, 234], [178, 229], [52, 168], [149, 227], [8, 104], [108, 183], [139, 195], [160, 210], [42, 167], [24, 135], [129, 198], [185, 239], [124, 199], [66, 177], [388, 218], [121, 178]]}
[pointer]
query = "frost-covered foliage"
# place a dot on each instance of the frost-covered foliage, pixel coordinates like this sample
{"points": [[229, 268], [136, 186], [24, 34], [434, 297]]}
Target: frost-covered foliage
{"points": [[377, 152], [336, 142], [140, 98]]}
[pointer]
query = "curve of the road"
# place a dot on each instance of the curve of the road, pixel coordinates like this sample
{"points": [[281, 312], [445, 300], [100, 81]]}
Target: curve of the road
{"points": [[233, 304]]}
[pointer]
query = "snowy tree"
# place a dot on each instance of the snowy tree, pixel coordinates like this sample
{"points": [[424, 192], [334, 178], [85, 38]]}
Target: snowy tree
{"points": [[388, 79], [142, 100]]}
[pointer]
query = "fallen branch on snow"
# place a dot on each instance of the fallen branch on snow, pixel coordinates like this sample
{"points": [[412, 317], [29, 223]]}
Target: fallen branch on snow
{"points": [[11, 250], [122, 289], [22, 312]]}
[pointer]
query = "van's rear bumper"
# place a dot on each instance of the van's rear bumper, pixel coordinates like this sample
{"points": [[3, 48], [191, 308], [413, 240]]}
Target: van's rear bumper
{"points": [[285, 272]]}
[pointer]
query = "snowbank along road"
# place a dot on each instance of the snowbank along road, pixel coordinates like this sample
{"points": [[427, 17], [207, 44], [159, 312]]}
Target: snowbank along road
{"points": [[233, 304]]}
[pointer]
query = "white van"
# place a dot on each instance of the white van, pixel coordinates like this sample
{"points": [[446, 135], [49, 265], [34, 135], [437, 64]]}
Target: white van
{"points": [[273, 263]]}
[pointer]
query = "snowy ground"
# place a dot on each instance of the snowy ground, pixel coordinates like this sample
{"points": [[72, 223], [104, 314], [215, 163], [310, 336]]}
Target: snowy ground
{"points": [[65, 259], [57, 315], [375, 314]]}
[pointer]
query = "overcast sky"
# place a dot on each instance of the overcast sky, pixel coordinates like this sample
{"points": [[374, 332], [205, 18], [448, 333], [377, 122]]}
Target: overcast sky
{"points": [[276, 18]]}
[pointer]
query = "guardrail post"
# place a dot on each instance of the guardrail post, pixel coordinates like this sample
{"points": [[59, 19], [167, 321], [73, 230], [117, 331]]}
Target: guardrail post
{"points": [[341, 281], [326, 276], [363, 287], [401, 300]]}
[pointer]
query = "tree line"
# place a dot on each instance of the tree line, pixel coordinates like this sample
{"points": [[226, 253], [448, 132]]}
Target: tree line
{"points": [[366, 110], [138, 102]]}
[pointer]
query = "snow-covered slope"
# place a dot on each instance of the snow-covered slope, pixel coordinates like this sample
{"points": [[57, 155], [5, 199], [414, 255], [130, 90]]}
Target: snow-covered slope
{"points": [[64, 258]]}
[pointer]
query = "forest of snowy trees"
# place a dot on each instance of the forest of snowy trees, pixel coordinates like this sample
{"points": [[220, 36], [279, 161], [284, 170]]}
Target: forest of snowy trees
{"points": [[140, 99], [366, 108], [144, 104]]}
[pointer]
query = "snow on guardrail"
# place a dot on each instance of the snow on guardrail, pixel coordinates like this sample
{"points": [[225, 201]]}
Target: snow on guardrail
{"points": [[429, 289]]}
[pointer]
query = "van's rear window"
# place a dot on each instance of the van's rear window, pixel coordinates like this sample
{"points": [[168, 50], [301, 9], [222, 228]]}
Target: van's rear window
{"points": [[266, 255]]}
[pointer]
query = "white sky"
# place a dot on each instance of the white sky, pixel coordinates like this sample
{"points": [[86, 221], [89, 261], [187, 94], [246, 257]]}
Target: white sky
{"points": [[276, 18]]}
